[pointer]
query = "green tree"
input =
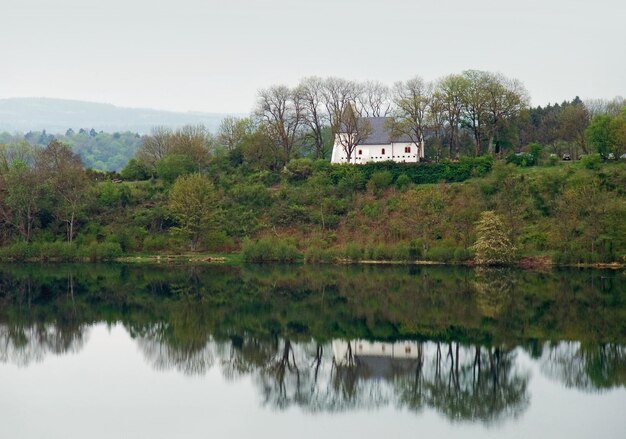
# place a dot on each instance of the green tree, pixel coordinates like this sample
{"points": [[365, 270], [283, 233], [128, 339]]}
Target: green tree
{"points": [[135, 170], [493, 246], [173, 166], [193, 202], [21, 195], [63, 171], [599, 134]]}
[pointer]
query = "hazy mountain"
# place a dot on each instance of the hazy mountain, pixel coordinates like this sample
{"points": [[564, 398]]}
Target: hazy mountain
{"points": [[57, 115]]}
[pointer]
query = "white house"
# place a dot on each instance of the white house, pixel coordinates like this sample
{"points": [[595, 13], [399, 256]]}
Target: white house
{"points": [[379, 146]]}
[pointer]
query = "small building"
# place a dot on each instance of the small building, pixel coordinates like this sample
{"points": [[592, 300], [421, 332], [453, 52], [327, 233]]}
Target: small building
{"points": [[379, 146]]}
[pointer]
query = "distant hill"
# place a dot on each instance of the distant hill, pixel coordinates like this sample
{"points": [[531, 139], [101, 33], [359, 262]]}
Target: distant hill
{"points": [[57, 115]]}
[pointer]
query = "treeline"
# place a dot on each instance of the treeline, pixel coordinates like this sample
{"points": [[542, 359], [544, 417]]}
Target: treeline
{"points": [[98, 150], [466, 114]]}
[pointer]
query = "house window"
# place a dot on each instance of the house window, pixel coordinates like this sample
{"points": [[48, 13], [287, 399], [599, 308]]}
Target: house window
{"points": [[360, 152], [407, 149], [383, 151]]}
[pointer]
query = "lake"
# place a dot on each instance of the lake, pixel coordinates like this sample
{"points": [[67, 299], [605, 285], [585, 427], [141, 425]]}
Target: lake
{"points": [[105, 351]]}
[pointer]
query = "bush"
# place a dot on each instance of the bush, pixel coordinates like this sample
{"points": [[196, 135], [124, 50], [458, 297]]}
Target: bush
{"points": [[403, 181], [105, 251], [170, 167], [353, 252], [379, 181], [591, 161], [269, 250], [523, 159], [58, 251], [135, 170], [440, 254], [462, 254], [153, 243], [299, 169], [316, 254]]}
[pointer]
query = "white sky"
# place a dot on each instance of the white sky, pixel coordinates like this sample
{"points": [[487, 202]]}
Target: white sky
{"points": [[211, 55]]}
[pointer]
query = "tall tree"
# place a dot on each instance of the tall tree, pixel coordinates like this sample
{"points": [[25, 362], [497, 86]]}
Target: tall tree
{"points": [[310, 93], [452, 90], [353, 131], [63, 171], [338, 94], [193, 141], [280, 110], [505, 98], [155, 146], [412, 100], [373, 99], [573, 122], [232, 131], [193, 201], [475, 104], [21, 194]]}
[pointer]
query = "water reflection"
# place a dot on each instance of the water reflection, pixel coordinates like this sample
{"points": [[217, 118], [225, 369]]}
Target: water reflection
{"points": [[23, 345], [338, 339], [591, 368]]}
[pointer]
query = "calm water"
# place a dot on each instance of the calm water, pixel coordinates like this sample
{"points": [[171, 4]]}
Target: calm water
{"points": [[161, 352]]}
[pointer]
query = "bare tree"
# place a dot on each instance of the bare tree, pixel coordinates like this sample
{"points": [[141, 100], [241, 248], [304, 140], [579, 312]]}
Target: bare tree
{"points": [[310, 93], [193, 141], [412, 100], [232, 131], [338, 94], [373, 99], [611, 107], [353, 131], [155, 146], [280, 110]]}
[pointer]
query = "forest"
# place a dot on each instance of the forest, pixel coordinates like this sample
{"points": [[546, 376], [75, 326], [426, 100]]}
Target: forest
{"points": [[262, 188]]}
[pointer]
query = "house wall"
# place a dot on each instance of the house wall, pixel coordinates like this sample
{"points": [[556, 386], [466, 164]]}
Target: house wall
{"points": [[374, 153], [399, 349]]}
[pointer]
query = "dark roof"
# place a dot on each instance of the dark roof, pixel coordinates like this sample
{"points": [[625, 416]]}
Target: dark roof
{"points": [[381, 132]]}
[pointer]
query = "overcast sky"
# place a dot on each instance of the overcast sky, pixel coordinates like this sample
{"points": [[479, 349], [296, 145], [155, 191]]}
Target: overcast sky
{"points": [[210, 55]]}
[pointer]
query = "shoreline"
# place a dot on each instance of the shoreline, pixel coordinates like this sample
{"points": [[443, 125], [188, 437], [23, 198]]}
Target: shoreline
{"points": [[235, 259]]}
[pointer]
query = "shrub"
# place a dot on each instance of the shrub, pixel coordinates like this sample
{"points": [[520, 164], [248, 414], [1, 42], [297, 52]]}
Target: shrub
{"points": [[493, 246], [269, 250], [522, 159], [299, 169], [152, 243], [403, 181], [440, 254], [170, 167], [591, 161], [353, 252], [379, 181], [135, 170], [462, 254]]}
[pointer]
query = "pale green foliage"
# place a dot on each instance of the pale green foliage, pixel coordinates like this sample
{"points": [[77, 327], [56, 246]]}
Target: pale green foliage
{"points": [[193, 202], [493, 246]]}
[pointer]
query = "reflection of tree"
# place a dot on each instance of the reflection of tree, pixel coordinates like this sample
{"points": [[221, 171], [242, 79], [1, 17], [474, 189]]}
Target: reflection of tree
{"points": [[23, 345], [182, 343], [593, 367], [493, 289], [467, 383]]}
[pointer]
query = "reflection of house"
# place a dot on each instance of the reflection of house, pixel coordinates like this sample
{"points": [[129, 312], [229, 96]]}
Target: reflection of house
{"points": [[377, 359], [379, 146]]}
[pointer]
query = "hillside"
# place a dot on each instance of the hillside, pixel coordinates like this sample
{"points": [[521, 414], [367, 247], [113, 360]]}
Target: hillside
{"points": [[57, 115]]}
